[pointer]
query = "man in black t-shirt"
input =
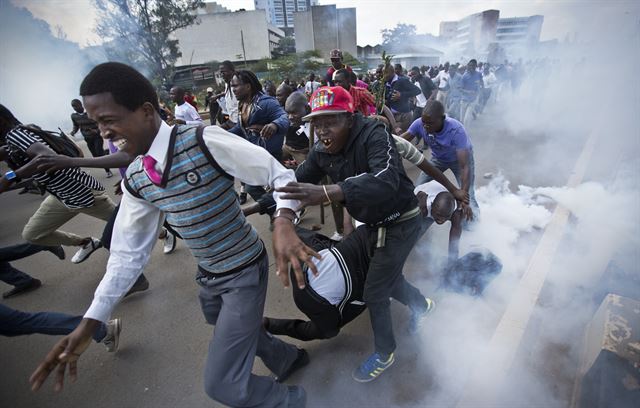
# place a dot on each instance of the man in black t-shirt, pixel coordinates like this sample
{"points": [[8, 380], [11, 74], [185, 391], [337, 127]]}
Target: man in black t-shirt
{"points": [[296, 142], [89, 130]]}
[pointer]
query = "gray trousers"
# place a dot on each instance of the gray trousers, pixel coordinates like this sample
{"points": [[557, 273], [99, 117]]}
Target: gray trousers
{"points": [[235, 305]]}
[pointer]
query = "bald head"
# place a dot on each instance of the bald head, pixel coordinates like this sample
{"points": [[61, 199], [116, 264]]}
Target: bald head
{"points": [[443, 207], [282, 93], [177, 95], [296, 101], [296, 107], [433, 108], [433, 117]]}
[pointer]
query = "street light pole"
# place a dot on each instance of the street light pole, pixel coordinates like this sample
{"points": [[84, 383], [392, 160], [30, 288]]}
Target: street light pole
{"points": [[244, 53]]}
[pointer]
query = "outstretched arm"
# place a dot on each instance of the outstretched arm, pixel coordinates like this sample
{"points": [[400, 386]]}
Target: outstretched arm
{"points": [[454, 235], [134, 235], [55, 162]]}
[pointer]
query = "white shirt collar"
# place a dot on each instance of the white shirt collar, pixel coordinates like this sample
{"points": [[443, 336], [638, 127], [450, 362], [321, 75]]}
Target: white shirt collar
{"points": [[160, 145]]}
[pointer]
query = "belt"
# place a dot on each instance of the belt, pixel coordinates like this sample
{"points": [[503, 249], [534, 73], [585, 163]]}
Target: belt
{"points": [[382, 231]]}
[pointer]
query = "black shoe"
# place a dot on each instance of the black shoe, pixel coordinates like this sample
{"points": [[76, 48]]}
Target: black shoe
{"points": [[300, 361], [32, 285], [57, 251], [243, 198], [296, 397], [141, 284]]}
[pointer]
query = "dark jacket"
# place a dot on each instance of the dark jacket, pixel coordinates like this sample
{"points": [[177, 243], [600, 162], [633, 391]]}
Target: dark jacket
{"points": [[406, 89], [427, 85], [369, 171], [265, 110]]}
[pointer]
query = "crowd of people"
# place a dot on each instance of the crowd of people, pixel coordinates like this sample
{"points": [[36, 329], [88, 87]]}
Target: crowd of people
{"points": [[339, 141]]}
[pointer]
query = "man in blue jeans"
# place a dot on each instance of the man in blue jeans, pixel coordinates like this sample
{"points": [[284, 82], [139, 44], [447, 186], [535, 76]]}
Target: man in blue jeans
{"points": [[21, 281], [450, 146], [18, 323]]}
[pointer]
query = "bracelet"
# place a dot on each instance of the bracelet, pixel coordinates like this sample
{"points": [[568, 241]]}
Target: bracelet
{"points": [[326, 194]]}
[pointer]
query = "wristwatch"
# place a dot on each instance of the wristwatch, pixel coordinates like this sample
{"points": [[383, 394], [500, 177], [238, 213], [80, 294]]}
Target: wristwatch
{"points": [[10, 175], [293, 217]]}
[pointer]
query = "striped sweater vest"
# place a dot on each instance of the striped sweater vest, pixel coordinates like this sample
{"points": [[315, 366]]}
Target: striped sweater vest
{"points": [[200, 203]]}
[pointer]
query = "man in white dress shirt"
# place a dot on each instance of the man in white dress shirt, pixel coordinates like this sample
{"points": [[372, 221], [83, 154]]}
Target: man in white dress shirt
{"points": [[185, 174], [184, 112]]}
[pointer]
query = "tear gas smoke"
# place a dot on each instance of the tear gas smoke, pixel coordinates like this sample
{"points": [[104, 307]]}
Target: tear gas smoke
{"points": [[40, 73], [563, 101]]}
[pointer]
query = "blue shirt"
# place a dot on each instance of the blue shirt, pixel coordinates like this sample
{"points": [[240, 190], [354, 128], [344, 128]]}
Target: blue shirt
{"points": [[471, 82], [444, 144]]}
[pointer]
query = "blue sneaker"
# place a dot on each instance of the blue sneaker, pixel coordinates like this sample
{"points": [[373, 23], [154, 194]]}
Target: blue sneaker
{"points": [[372, 367], [418, 315]]}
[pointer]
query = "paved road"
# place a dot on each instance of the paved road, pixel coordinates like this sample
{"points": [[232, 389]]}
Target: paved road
{"points": [[165, 338]]}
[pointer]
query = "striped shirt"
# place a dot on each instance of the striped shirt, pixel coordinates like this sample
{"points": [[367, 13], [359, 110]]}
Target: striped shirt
{"points": [[72, 186]]}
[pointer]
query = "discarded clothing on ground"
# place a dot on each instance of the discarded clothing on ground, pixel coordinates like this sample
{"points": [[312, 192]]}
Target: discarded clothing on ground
{"points": [[472, 273]]}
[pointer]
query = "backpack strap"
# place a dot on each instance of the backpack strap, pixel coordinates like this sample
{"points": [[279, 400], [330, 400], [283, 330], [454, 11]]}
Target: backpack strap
{"points": [[207, 152]]}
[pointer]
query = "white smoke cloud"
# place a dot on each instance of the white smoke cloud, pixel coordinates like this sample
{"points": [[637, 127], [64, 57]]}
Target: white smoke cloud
{"points": [[570, 98], [40, 73]]}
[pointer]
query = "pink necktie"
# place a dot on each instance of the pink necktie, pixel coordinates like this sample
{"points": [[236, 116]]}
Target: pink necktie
{"points": [[149, 164]]}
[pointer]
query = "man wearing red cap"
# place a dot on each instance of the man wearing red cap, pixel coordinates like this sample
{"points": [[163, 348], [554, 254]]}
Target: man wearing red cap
{"points": [[336, 63], [361, 157]]}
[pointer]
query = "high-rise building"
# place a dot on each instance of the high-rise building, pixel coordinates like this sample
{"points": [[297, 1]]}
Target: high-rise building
{"points": [[280, 12], [475, 34], [235, 36], [324, 28], [519, 30]]}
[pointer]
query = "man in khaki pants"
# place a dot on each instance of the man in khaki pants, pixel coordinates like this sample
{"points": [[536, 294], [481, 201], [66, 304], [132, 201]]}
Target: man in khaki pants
{"points": [[72, 191]]}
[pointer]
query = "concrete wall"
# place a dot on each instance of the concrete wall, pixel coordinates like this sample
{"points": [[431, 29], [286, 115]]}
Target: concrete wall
{"points": [[217, 37], [347, 33], [325, 28], [304, 31]]}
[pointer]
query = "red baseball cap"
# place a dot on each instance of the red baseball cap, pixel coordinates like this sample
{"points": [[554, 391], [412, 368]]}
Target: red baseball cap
{"points": [[330, 100]]}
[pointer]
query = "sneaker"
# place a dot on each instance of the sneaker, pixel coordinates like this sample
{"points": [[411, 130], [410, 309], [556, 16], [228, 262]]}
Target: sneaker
{"points": [[141, 285], [243, 198], [112, 339], [301, 215], [336, 236], [109, 174], [84, 252], [418, 315], [169, 243], [296, 397], [57, 251], [301, 360], [372, 367], [32, 285]]}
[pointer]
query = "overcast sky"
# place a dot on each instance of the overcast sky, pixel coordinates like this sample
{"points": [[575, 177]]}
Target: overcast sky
{"points": [[76, 17]]}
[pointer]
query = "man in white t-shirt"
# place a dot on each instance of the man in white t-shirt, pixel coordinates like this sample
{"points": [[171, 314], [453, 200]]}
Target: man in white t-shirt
{"points": [[442, 80], [185, 113], [311, 85], [439, 205]]}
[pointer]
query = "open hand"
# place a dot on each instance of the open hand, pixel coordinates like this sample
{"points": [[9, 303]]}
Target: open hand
{"points": [[307, 194], [288, 248], [467, 212], [268, 130], [66, 352]]}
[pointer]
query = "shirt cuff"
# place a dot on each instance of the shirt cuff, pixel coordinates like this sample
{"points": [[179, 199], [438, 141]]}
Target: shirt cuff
{"points": [[99, 311]]}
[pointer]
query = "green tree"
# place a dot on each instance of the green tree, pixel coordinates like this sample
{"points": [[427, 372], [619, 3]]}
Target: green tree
{"points": [[138, 32], [398, 35], [286, 46]]}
